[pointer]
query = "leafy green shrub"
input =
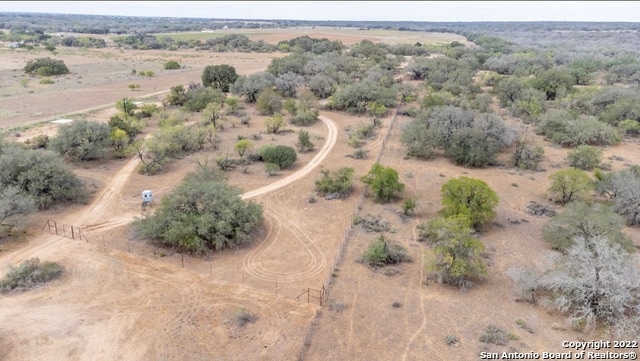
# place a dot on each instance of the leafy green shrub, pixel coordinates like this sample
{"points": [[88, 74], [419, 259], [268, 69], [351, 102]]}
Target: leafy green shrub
{"points": [[630, 126], [360, 153], [269, 102], [171, 65], [46, 81], [565, 128], [457, 254], [203, 213], [382, 252], [282, 155], [472, 148], [30, 274], [197, 100], [304, 142], [384, 182], [45, 67], [409, 205], [82, 140], [271, 169], [471, 198], [569, 184], [39, 175], [585, 157], [527, 154], [305, 117], [340, 182], [583, 220]]}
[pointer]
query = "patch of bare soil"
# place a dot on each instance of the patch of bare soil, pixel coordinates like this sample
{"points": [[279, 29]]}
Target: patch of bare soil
{"points": [[101, 77]]}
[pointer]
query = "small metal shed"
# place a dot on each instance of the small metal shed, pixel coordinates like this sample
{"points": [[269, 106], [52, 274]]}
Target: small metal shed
{"points": [[147, 196]]}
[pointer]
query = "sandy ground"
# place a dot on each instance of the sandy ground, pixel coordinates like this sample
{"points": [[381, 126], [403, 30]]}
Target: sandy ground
{"points": [[123, 299]]}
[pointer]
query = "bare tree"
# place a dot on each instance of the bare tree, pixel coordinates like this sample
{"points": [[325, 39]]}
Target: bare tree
{"points": [[596, 282]]}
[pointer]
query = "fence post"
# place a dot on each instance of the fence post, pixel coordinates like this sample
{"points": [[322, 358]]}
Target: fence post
{"points": [[55, 225]]}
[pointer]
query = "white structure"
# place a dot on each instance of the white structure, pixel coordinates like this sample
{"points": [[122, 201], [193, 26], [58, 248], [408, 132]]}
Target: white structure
{"points": [[62, 121], [147, 196]]}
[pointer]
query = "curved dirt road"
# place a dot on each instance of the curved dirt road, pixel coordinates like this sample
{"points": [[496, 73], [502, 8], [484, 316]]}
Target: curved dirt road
{"points": [[332, 136], [112, 304]]}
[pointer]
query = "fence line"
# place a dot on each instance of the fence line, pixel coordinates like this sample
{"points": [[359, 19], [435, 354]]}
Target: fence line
{"points": [[67, 231], [347, 233]]}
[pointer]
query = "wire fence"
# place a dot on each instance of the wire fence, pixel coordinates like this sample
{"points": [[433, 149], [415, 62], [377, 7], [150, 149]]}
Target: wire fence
{"points": [[63, 230], [347, 233]]}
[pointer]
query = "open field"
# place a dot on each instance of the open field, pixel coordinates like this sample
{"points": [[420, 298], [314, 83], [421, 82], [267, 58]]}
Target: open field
{"points": [[348, 36], [123, 299]]}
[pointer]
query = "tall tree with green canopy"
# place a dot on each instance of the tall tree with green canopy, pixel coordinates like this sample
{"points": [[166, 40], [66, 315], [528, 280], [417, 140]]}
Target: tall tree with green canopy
{"points": [[219, 76], [203, 213], [384, 183], [471, 198]]}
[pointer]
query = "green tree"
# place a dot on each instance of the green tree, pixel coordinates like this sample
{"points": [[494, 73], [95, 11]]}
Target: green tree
{"points": [[553, 83], [383, 252], [357, 96], [457, 255], [203, 213], [251, 86], [219, 76], [588, 221], [131, 125], [13, 202], [39, 175], [242, 146], [471, 198], [275, 124], [527, 154], [269, 102], [304, 141], [570, 184], [472, 148], [46, 67], [119, 140], [199, 98], [281, 155], [509, 90], [384, 183], [82, 140], [585, 157]]}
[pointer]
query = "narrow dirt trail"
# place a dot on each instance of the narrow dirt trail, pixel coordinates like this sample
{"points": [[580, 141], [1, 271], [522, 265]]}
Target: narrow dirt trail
{"points": [[332, 137]]}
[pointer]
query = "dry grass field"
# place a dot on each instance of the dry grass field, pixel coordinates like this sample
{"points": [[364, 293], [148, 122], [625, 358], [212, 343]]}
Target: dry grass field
{"points": [[122, 299]]}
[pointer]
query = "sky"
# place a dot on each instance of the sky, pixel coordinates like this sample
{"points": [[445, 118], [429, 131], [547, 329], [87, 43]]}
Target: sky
{"points": [[443, 11]]}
